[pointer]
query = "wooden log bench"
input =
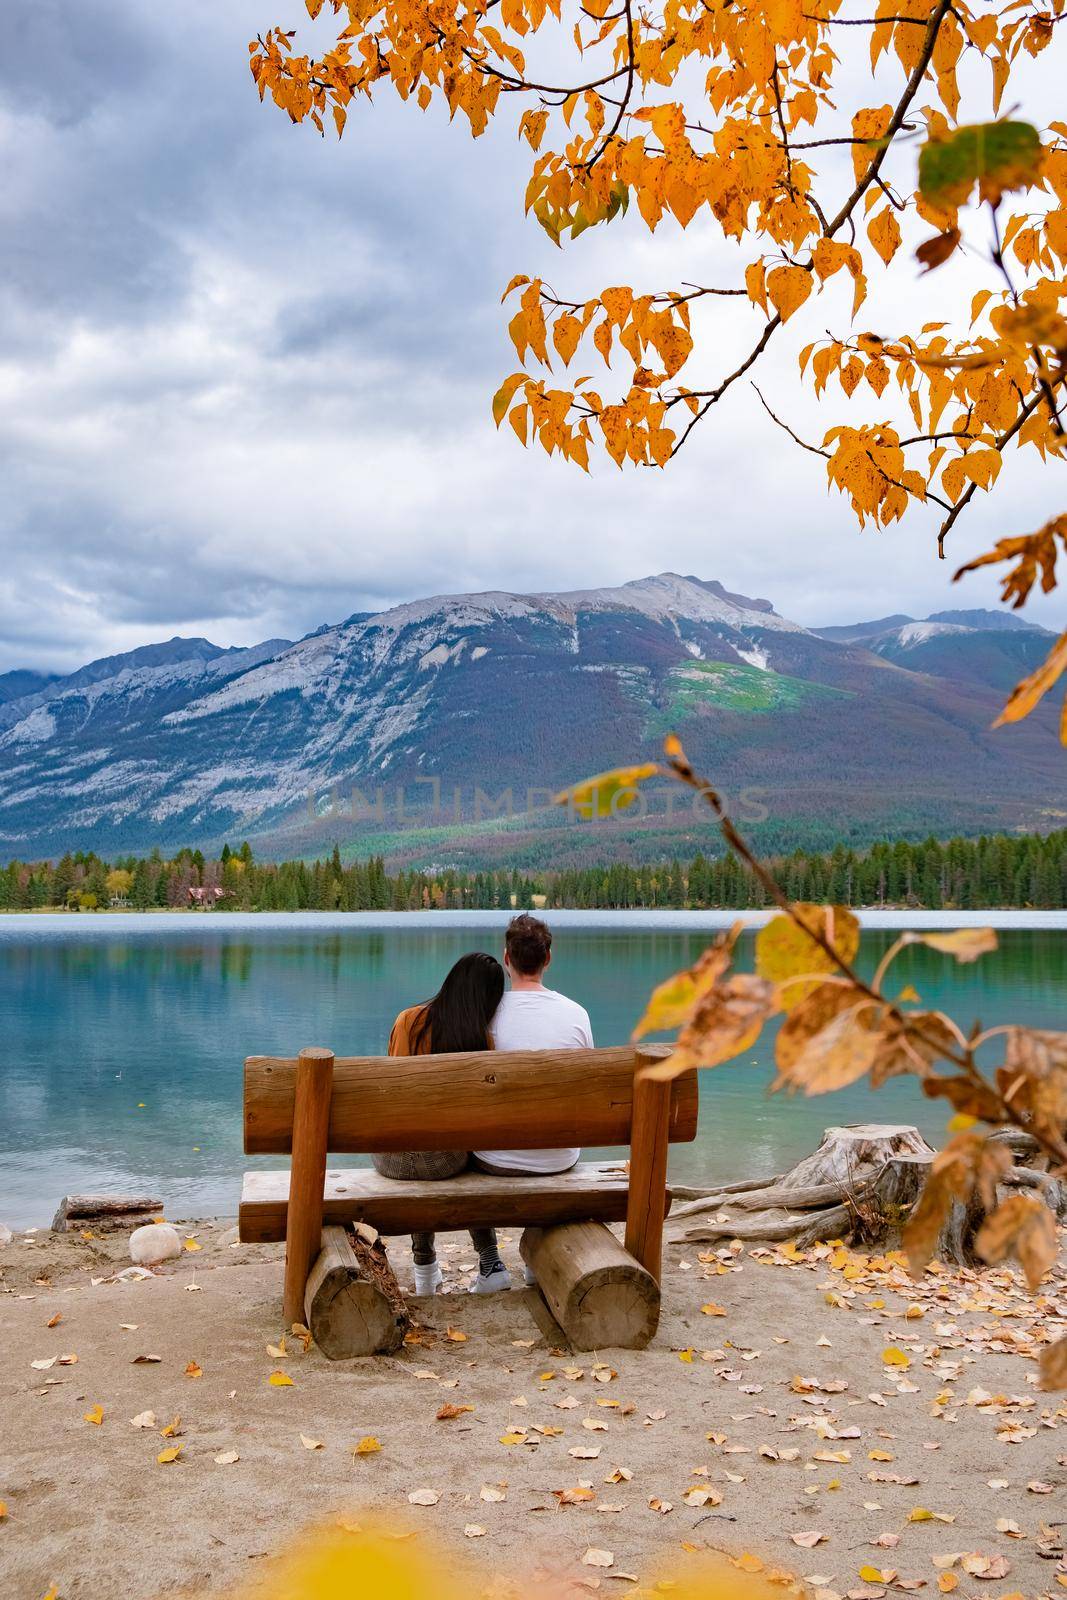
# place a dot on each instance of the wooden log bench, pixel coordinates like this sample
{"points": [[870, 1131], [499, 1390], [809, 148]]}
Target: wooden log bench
{"points": [[600, 1292]]}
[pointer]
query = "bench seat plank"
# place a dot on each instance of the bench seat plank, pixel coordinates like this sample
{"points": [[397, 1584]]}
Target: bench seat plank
{"points": [[592, 1190]]}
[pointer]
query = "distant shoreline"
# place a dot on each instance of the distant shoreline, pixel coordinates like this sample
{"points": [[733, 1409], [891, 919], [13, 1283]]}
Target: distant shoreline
{"points": [[889, 917]]}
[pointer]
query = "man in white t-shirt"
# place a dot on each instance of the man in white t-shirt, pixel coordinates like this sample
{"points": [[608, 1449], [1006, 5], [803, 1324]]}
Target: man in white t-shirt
{"points": [[531, 1017]]}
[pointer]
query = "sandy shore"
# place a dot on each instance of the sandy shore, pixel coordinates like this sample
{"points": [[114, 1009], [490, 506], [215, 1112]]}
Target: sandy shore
{"points": [[784, 1407]]}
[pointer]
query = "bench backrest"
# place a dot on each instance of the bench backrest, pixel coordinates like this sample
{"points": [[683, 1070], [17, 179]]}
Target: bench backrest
{"points": [[482, 1100]]}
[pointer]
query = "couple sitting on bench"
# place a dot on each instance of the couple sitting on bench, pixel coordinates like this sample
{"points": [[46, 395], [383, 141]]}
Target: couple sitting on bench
{"points": [[472, 1011]]}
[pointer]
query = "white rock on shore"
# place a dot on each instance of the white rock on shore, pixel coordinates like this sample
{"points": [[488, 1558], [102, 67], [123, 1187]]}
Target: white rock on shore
{"points": [[155, 1242]]}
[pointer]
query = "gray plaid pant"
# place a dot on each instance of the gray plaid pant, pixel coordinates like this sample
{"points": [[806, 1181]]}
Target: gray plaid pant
{"points": [[434, 1166]]}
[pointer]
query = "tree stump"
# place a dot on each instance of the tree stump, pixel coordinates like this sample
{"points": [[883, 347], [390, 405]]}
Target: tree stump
{"points": [[600, 1296], [349, 1314], [856, 1151], [860, 1182]]}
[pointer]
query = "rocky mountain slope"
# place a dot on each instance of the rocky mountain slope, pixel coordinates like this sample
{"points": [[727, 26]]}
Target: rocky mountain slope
{"points": [[837, 733]]}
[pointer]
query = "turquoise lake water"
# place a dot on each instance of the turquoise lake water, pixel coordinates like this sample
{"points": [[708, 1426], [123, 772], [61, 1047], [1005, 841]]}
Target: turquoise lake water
{"points": [[164, 1010]]}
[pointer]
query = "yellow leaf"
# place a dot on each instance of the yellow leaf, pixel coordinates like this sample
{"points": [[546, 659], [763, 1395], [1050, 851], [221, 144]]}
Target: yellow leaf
{"points": [[893, 1357], [871, 1575], [172, 1452], [788, 288], [672, 1002], [685, 1355], [192, 1370], [608, 792], [947, 1581], [280, 1380], [786, 950], [95, 1415], [966, 944], [1022, 1226], [191, 1244], [512, 1438], [712, 1310], [455, 1335], [1025, 696], [367, 1446]]}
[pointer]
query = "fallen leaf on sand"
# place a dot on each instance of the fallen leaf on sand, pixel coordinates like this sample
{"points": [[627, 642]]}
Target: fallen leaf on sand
{"points": [[712, 1310], [447, 1412], [473, 1531], [894, 1357], [702, 1496], [172, 1452], [492, 1493], [280, 1380], [920, 1514], [194, 1370], [311, 1444], [515, 1437], [746, 1562], [662, 1506], [947, 1581], [191, 1244], [226, 1458], [278, 1351], [95, 1415], [598, 1558], [423, 1497], [146, 1361], [53, 1322], [808, 1540], [455, 1335], [44, 1364], [367, 1446], [574, 1497], [1037, 1487], [143, 1419], [619, 1475], [584, 1452]]}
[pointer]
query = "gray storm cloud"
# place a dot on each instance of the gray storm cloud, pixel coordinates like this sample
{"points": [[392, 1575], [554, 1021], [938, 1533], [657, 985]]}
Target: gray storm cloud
{"points": [[245, 374]]}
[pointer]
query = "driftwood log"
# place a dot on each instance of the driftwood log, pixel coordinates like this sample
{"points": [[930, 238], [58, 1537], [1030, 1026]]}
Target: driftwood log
{"points": [[860, 1186], [105, 1213], [600, 1296]]}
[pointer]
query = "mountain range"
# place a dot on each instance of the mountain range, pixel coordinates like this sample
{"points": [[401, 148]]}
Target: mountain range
{"points": [[433, 710]]}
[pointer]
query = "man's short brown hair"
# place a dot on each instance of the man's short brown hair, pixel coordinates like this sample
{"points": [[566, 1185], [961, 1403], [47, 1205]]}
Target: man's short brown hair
{"points": [[528, 944]]}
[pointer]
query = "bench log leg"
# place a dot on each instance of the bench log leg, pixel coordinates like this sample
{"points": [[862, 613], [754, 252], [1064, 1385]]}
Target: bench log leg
{"points": [[649, 1143], [347, 1314], [600, 1296], [311, 1129]]}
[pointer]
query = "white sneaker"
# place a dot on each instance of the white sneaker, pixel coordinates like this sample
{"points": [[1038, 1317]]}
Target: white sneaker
{"points": [[529, 1277], [428, 1277], [493, 1282]]}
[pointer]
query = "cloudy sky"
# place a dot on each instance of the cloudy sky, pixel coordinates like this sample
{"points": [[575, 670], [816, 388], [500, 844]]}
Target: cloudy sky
{"points": [[245, 374]]}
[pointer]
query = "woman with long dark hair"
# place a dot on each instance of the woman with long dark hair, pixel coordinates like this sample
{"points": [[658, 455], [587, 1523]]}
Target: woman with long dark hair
{"points": [[458, 1018]]}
